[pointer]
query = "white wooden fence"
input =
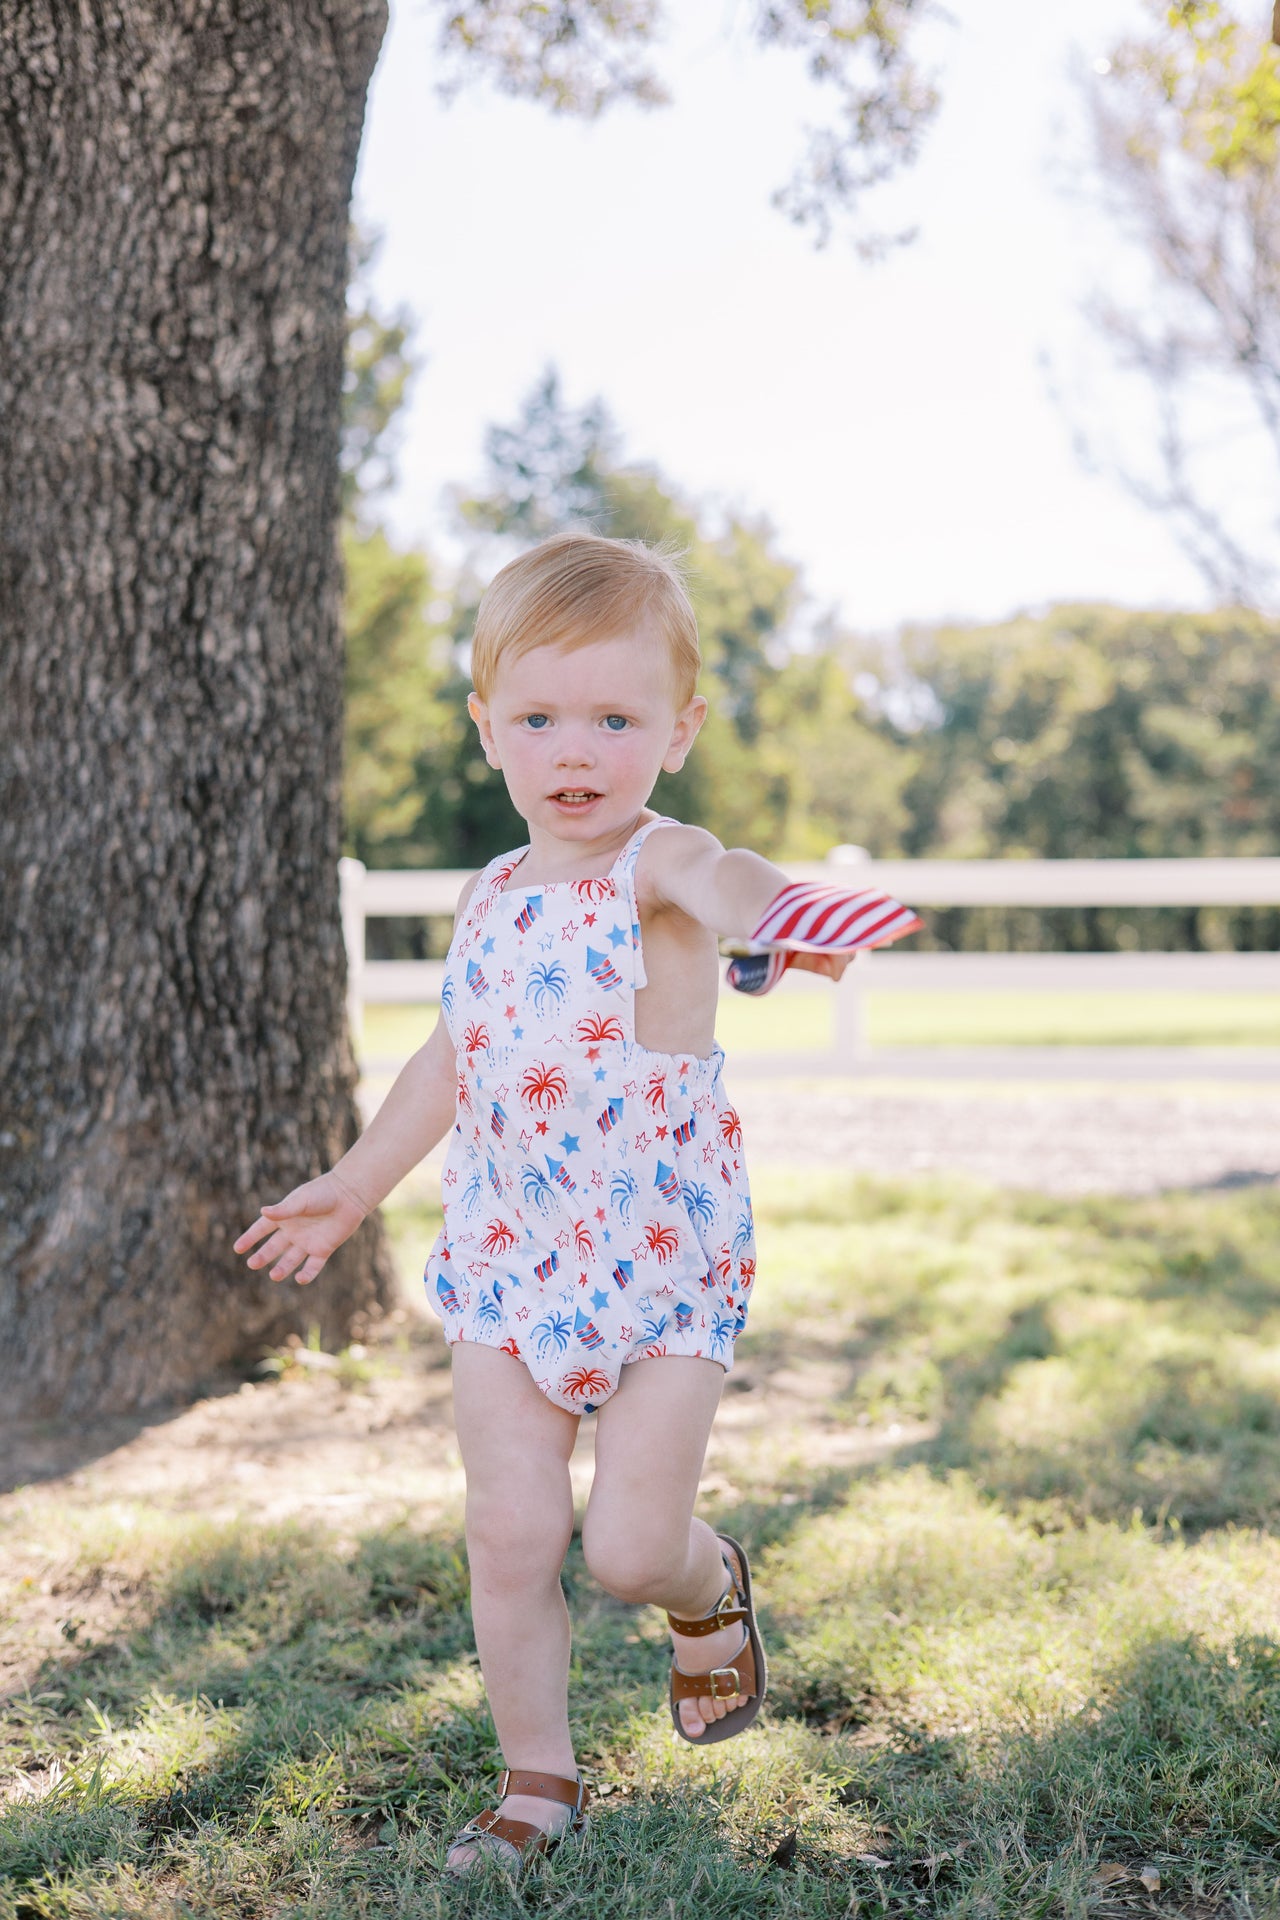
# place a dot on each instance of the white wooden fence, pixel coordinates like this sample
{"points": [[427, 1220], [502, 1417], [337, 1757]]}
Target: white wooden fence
{"points": [[932, 883]]}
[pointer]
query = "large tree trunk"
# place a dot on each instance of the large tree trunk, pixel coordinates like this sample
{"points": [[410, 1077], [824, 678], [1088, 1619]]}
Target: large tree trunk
{"points": [[174, 186]]}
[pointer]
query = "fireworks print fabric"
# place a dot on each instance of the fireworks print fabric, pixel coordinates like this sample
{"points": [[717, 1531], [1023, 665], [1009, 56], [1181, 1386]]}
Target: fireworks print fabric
{"points": [[596, 1208]]}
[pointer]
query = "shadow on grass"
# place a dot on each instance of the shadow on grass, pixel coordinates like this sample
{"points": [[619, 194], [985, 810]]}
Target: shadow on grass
{"points": [[34, 1451], [292, 1732], [1096, 1355]]}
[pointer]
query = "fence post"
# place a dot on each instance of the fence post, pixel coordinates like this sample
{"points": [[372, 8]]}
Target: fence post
{"points": [[351, 897], [849, 1036]]}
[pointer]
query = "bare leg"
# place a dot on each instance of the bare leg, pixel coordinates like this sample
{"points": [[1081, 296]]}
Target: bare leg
{"points": [[515, 1448], [640, 1536]]}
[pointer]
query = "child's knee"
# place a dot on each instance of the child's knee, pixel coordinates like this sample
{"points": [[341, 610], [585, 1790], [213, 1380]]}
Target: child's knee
{"points": [[632, 1563], [513, 1541]]}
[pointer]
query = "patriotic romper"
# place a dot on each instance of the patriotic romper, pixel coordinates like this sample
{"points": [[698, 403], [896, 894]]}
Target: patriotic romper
{"points": [[596, 1208]]}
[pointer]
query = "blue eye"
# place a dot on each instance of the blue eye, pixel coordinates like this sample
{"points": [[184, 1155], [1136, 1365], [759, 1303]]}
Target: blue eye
{"points": [[616, 722], [535, 720]]}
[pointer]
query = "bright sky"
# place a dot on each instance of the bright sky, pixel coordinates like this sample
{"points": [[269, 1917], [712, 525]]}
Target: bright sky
{"points": [[895, 422]]}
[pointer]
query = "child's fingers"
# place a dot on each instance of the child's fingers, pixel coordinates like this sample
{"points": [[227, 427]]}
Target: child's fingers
{"points": [[309, 1271], [291, 1257], [272, 1250], [251, 1235]]}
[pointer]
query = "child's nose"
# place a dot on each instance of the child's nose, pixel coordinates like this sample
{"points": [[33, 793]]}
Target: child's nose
{"points": [[573, 749]]}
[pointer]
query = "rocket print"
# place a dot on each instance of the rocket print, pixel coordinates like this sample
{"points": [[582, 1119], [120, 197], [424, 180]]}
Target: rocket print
{"points": [[667, 1181], [602, 970], [587, 1332]]}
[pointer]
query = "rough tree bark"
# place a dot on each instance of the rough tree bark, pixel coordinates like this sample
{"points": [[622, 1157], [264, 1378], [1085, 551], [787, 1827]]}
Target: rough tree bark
{"points": [[174, 186]]}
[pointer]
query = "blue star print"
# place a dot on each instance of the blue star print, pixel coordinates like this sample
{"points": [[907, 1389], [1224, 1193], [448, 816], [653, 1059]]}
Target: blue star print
{"points": [[617, 938], [570, 1142]]}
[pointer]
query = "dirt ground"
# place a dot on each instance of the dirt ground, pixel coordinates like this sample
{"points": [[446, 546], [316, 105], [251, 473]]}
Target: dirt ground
{"points": [[1059, 1139], [367, 1439]]}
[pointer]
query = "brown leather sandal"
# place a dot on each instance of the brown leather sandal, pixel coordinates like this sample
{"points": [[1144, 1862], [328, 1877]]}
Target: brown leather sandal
{"points": [[526, 1840], [748, 1674]]}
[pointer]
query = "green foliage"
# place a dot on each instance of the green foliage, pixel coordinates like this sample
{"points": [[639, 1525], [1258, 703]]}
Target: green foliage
{"points": [[574, 56], [1217, 77], [1097, 731], [1101, 733]]}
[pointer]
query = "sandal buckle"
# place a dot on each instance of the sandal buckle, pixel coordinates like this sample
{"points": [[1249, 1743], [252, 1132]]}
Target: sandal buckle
{"points": [[732, 1674]]}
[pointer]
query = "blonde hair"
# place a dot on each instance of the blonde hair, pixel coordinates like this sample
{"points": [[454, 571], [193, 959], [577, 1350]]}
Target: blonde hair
{"points": [[580, 587]]}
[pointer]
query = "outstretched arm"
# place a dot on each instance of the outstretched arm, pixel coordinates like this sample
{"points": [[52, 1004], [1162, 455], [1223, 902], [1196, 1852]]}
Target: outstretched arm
{"points": [[782, 922], [727, 889], [296, 1235]]}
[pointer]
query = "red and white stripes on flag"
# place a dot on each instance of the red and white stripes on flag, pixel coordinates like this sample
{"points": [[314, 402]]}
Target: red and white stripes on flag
{"points": [[807, 918]]}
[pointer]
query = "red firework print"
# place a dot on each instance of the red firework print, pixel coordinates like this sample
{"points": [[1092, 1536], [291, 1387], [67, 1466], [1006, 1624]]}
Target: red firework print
{"points": [[544, 1086], [498, 1237], [595, 1028], [585, 1380], [655, 1091], [663, 1241], [626, 1161]]}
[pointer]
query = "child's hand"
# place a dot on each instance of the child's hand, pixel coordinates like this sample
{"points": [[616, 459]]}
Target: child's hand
{"points": [[832, 965], [305, 1227]]}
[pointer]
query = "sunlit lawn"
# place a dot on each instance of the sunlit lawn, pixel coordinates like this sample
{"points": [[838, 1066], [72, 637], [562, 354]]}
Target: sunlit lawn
{"points": [[1016, 1663], [801, 1021]]}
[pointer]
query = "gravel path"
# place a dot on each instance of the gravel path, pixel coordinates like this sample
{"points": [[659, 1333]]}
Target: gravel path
{"points": [[1057, 1139]]}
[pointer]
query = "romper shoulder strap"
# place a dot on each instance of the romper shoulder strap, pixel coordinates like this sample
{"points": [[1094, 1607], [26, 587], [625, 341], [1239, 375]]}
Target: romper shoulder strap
{"points": [[625, 865]]}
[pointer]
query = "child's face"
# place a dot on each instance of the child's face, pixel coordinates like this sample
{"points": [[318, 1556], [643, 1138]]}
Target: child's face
{"points": [[582, 733]]}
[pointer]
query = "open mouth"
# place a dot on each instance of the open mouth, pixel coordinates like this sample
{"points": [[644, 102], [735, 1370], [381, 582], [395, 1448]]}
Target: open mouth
{"points": [[575, 796]]}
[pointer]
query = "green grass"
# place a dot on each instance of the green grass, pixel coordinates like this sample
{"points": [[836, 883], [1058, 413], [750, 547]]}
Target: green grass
{"points": [[1023, 1643], [1161, 1019], [801, 1022]]}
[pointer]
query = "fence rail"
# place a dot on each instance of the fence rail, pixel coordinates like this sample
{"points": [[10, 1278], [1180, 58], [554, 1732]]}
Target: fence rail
{"points": [[932, 883]]}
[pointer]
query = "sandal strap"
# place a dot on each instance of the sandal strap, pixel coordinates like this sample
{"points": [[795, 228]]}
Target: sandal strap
{"points": [[545, 1786], [724, 1616], [719, 1683], [523, 1835], [726, 1612]]}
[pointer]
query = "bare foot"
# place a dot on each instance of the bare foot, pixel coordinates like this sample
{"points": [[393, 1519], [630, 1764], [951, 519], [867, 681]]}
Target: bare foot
{"points": [[550, 1815], [699, 1654]]}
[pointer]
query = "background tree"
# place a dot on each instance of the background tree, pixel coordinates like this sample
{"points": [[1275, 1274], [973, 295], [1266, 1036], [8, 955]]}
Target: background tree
{"points": [[1092, 732], [174, 187], [1187, 137]]}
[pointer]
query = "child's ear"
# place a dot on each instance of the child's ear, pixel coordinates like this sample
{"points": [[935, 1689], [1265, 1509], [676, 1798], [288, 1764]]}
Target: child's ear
{"points": [[684, 733], [480, 714]]}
